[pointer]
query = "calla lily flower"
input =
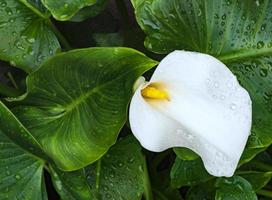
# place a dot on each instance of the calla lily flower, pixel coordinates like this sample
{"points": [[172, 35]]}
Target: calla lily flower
{"points": [[193, 100]]}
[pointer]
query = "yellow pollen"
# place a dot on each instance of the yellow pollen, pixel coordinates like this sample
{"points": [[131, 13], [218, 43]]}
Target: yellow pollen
{"points": [[151, 92]]}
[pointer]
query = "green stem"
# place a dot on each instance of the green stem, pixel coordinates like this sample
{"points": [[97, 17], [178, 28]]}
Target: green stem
{"points": [[159, 194], [12, 80], [121, 6], [265, 193], [59, 35], [8, 91], [147, 186], [35, 10], [47, 168], [98, 169]]}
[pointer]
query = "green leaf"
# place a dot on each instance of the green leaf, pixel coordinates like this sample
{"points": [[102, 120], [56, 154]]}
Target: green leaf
{"points": [[204, 191], [235, 187], [256, 179], [71, 185], [77, 102], [90, 11], [166, 193], [188, 172], [120, 174], [236, 32], [27, 39], [185, 153], [21, 173], [36, 4], [65, 9]]}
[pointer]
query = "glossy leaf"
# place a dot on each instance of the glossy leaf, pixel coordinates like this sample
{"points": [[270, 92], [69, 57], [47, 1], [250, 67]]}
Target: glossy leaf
{"points": [[185, 153], [21, 173], [27, 39], [188, 172], [36, 4], [71, 185], [236, 32], [65, 9], [235, 187], [120, 174], [90, 11], [202, 191], [256, 179], [77, 102]]}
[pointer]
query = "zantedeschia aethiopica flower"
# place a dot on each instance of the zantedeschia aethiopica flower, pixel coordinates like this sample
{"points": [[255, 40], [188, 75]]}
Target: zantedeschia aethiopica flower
{"points": [[193, 100]]}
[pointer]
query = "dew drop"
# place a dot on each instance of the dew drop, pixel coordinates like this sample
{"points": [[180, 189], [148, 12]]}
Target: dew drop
{"points": [[141, 168], [216, 84], [112, 175], [260, 44], [18, 177], [31, 40], [3, 3], [263, 72], [120, 164], [131, 160], [12, 63], [232, 106], [3, 24], [105, 188]]}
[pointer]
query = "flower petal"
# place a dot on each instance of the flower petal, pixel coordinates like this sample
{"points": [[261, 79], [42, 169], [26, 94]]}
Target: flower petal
{"points": [[210, 111]]}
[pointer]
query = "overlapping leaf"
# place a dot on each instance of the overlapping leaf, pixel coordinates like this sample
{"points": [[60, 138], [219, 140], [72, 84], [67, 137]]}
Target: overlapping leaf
{"points": [[71, 185], [65, 9], [77, 102], [234, 188], [26, 37], [21, 173], [188, 173], [120, 174], [90, 11]]}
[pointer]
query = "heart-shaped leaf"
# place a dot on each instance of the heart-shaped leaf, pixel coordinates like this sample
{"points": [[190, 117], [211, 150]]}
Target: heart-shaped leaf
{"points": [[71, 185], [256, 179], [202, 191], [65, 9], [77, 102], [120, 174], [235, 187], [236, 32], [27, 37], [90, 11], [188, 172], [21, 173]]}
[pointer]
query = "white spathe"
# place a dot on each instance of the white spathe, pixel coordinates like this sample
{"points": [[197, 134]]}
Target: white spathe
{"points": [[207, 111]]}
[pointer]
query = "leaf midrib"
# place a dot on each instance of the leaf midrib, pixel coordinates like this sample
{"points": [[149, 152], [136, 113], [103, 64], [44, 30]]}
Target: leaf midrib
{"points": [[86, 95], [35, 10], [243, 54]]}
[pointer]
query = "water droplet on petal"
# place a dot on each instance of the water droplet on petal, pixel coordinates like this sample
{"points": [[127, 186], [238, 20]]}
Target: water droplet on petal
{"points": [[233, 106]]}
